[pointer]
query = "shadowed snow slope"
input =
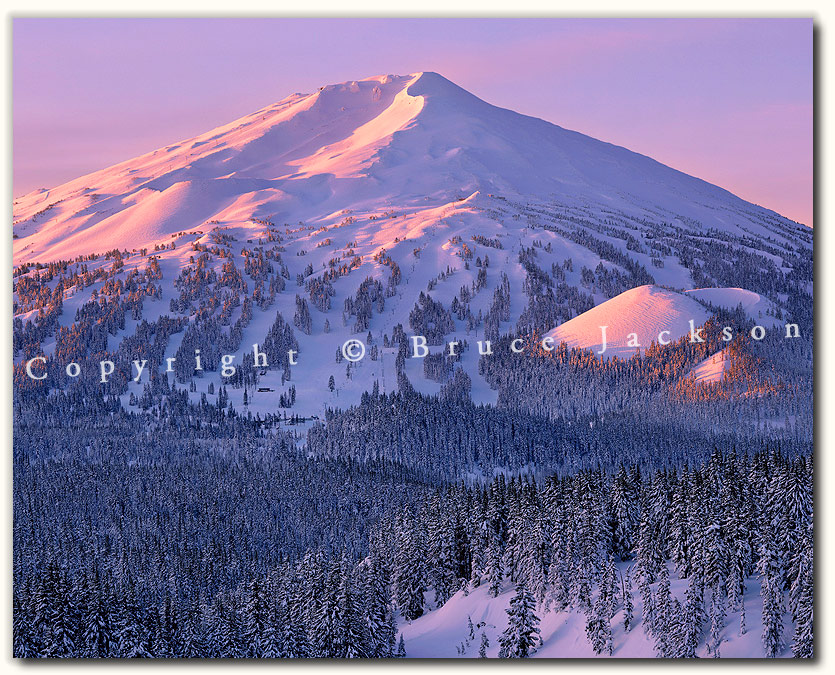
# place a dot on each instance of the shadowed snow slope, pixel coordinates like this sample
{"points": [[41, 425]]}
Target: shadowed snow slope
{"points": [[754, 305], [645, 310], [415, 140]]}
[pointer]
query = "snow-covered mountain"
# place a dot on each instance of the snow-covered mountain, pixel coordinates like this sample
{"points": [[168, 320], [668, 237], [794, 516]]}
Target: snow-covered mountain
{"points": [[376, 211], [415, 142], [424, 188]]}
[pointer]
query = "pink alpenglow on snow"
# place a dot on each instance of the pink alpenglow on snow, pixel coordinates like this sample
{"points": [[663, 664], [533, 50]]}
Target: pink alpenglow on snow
{"points": [[418, 140], [712, 369], [729, 100], [631, 321]]}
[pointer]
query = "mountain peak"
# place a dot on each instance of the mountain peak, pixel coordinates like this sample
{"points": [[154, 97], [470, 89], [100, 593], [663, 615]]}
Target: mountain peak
{"points": [[428, 85], [412, 140]]}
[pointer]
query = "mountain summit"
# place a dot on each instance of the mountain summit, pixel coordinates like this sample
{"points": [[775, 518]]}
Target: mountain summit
{"points": [[417, 140]]}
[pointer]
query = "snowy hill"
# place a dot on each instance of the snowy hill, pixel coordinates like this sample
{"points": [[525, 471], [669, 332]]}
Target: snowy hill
{"points": [[646, 311], [755, 306], [712, 369]]}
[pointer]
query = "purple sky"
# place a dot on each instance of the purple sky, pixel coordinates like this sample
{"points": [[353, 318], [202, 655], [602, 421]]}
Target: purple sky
{"points": [[729, 101]]}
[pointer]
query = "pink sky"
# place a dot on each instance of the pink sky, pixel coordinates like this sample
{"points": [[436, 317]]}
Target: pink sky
{"points": [[729, 101]]}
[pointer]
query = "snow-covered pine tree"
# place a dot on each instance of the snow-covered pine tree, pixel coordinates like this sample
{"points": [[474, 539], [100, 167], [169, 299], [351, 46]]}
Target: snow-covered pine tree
{"points": [[497, 523], [624, 509], [350, 639], [692, 619], [311, 568], [329, 621], [225, 635], [377, 608], [772, 598], [482, 649], [131, 633], [679, 534], [609, 585], [255, 619], [718, 615], [193, 642], [495, 568], [291, 628], [95, 624], [520, 638], [60, 614], [628, 604], [714, 551], [662, 618], [441, 552], [598, 628], [409, 572], [649, 560], [795, 499], [743, 628], [560, 545], [803, 589]]}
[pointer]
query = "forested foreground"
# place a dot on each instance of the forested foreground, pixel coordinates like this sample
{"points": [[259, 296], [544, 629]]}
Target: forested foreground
{"points": [[158, 559]]}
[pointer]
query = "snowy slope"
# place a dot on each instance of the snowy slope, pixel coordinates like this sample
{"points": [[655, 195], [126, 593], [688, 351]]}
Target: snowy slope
{"points": [[712, 369], [645, 311], [755, 306], [441, 633]]}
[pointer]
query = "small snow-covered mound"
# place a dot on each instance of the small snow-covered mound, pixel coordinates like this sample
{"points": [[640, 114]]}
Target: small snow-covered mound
{"points": [[756, 306], [712, 369], [633, 320]]}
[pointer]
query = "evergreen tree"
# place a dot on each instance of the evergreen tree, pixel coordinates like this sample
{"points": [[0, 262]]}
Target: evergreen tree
{"points": [[803, 639], [482, 649], [628, 604], [495, 569], [598, 628], [692, 619], [381, 627], [95, 625], [131, 633], [350, 638], [521, 636], [409, 573], [772, 597], [717, 620], [662, 616], [255, 620], [742, 625]]}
